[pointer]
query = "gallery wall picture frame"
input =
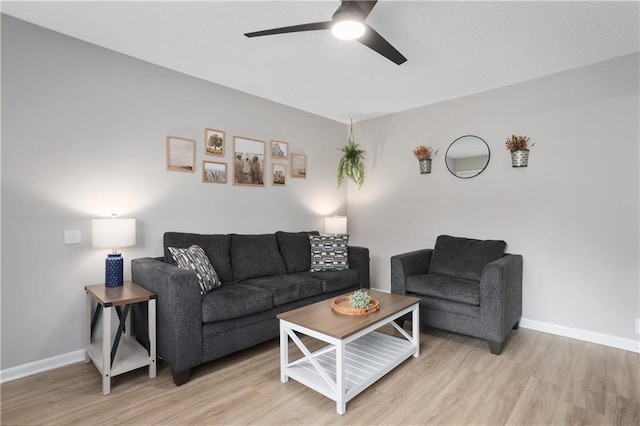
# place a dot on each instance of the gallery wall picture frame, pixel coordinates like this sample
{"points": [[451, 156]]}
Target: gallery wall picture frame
{"points": [[278, 174], [214, 172], [214, 141], [181, 154], [279, 150], [248, 161], [298, 166]]}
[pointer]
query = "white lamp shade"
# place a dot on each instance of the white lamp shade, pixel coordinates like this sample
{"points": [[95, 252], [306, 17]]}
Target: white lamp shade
{"points": [[113, 233], [336, 225]]}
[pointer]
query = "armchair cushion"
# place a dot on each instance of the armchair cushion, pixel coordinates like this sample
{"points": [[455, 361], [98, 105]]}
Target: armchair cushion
{"points": [[443, 287], [464, 257]]}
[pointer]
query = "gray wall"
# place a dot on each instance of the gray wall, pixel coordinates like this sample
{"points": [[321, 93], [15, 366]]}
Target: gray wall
{"points": [[572, 214], [83, 135]]}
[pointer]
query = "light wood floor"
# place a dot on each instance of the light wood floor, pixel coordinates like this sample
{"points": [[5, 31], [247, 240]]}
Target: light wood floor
{"points": [[539, 379]]}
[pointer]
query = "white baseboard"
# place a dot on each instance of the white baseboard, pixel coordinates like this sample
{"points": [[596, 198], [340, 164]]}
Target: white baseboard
{"points": [[587, 336], [576, 333], [31, 368], [47, 364]]}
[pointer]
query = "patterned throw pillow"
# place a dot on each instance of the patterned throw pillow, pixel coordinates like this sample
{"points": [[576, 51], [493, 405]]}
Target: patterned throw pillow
{"points": [[329, 253], [195, 259]]}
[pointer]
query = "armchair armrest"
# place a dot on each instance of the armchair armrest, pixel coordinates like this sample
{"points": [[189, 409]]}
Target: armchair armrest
{"points": [[501, 296], [359, 260], [403, 265], [179, 310]]}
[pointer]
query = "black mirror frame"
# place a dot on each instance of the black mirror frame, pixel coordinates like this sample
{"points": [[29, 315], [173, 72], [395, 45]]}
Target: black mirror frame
{"points": [[485, 166]]}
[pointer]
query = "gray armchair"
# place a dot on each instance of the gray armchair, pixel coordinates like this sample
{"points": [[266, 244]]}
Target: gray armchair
{"points": [[467, 286]]}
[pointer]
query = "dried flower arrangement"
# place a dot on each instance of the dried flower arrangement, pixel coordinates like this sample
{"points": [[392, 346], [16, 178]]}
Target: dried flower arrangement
{"points": [[423, 152], [518, 143]]}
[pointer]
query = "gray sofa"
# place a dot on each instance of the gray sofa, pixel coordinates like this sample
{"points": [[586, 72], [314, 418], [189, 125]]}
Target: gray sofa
{"points": [[467, 286], [262, 275]]}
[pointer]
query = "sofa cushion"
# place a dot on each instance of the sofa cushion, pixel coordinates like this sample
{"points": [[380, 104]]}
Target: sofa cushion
{"points": [[194, 259], [295, 249], [256, 256], [335, 280], [329, 253], [235, 300], [464, 257], [445, 287], [215, 246], [287, 288]]}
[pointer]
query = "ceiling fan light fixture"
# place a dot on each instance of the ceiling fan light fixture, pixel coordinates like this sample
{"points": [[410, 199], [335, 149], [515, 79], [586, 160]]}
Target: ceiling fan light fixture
{"points": [[348, 29]]}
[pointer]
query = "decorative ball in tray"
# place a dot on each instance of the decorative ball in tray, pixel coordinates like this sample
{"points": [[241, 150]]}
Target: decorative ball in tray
{"points": [[358, 303]]}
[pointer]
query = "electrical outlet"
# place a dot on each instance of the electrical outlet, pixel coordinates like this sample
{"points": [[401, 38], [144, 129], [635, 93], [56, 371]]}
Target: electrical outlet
{"points": [[637, 325]]}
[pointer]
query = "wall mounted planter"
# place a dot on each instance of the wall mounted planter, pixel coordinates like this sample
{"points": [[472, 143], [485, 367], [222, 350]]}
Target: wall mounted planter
{"points": [[520, 158], [425, 166]]}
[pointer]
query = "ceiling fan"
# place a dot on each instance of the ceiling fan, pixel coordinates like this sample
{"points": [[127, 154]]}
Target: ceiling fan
{"points": [[347, 23]]}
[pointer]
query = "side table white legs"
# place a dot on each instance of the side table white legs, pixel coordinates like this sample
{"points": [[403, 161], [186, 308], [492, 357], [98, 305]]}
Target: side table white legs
{"points": [[152, 338]]}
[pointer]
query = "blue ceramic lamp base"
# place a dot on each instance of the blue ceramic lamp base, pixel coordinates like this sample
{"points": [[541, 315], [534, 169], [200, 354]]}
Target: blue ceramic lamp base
{"points": [[113, 270]]}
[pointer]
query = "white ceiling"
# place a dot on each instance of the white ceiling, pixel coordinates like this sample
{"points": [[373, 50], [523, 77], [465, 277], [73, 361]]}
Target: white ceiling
{"points": [[453, 48]]}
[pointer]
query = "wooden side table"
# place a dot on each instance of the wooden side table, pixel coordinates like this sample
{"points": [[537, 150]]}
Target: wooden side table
{"points": [[124, 353]]}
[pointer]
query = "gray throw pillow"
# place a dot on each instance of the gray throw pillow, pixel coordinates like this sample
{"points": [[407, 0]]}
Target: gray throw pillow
{"points": [[329, 253], [195, 259]]}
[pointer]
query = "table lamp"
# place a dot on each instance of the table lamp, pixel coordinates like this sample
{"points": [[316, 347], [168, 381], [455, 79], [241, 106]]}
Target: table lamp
{"points": [[113, 233], [336, 225]]}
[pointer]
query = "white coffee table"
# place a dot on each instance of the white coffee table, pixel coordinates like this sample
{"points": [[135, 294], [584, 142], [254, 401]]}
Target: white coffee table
{"points": [[356, 355]]}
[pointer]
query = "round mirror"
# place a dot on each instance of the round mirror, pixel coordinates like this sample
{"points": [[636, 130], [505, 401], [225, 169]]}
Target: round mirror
{"points": [[467, 156]]}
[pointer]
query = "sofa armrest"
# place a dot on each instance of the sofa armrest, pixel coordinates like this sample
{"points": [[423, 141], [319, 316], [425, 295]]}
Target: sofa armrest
{"points": [[178, 310], [403, 265], [359, 260], [501, 296]]}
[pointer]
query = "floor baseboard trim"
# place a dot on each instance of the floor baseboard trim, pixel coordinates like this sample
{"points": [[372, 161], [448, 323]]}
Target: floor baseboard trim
{"points": [[587, 336], [36, 367], [47, 364]]}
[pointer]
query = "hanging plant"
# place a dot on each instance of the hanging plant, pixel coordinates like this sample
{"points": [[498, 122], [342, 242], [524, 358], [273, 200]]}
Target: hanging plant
{"points": [[351, 164]]}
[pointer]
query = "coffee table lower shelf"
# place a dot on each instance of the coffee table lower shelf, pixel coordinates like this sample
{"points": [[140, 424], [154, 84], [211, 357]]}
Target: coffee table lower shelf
{"points": [[366, 360]]}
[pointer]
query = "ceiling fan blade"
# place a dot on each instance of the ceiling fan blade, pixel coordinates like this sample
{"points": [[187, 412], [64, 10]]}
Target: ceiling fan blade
{"points": [[292, 29], [376, 42], [363, 8]]}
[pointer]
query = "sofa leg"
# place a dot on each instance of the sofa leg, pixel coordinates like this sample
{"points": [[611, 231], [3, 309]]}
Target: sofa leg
{"points": [[180, 377], [517, 326], [495, 347]]}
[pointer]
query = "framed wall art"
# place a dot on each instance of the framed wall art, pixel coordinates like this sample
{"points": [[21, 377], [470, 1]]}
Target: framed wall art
{"points": [[214, 172], [248, 161], [278, 174], [214, 142], [279, 150], [181, 154], [299, 166]]}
